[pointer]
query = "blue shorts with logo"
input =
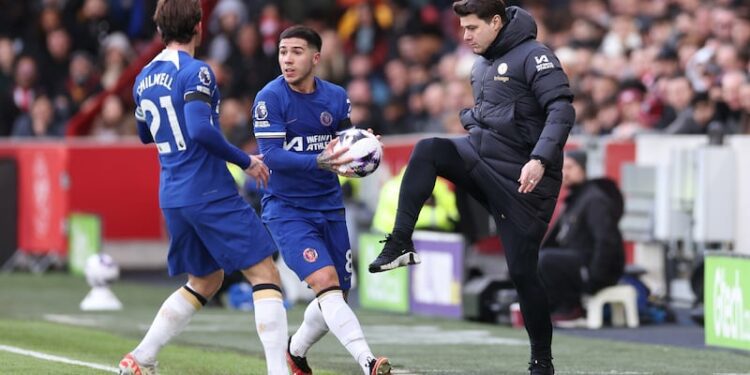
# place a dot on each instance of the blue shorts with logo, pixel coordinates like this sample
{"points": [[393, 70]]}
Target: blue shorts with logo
{"points": [[311, 243], [222, 234]]}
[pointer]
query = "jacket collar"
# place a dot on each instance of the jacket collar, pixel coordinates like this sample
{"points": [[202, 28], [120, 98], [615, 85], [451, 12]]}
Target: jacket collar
{"points": [[520, 28]]}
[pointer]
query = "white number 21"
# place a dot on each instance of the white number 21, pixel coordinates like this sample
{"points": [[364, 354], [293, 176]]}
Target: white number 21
{"points": [[166, 103]]}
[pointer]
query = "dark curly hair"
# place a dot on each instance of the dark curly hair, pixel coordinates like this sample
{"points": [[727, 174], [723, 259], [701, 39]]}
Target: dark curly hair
{"points": [[176, 19]]}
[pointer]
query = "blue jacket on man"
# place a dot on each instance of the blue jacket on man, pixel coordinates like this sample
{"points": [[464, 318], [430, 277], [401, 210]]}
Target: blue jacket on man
{"points": [[522, 110]]}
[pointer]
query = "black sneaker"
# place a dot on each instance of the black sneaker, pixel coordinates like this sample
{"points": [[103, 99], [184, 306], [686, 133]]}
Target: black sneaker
{"points": [[541, 367], [380, 366], [396, 253], [298, 365]]}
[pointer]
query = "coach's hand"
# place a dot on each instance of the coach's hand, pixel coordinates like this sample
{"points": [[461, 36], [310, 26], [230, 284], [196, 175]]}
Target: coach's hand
{"points": [[331, 160], [531, 174], [258, 170]]}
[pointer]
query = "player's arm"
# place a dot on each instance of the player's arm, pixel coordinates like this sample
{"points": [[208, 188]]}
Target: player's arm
{"points": [[143, 132], [140, 120], [270, 131], [550, 86], [279, 159], [200, 85], [199, 126]]}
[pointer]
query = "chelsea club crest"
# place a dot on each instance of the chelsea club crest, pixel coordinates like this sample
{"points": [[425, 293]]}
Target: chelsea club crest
{"points": [[326, 119]]}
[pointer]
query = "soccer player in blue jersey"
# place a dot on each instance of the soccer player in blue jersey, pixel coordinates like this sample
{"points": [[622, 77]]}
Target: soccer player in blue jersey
{"points": [[212, 230], [296, 118]]}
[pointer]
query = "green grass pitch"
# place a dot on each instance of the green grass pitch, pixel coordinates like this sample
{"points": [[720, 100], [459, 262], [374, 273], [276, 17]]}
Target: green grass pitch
{"points": [[40, 314]]}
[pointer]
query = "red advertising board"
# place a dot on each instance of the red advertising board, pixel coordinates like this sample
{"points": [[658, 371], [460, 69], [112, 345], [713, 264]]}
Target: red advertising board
{"points": [[42, 195], [119, 183]]}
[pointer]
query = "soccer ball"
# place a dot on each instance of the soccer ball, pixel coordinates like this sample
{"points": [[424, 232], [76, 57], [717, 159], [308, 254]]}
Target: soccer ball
{"points": [[101, 270], [364, 149]]}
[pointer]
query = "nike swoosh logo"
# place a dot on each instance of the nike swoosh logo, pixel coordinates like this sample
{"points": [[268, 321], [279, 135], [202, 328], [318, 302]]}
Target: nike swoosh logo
{"points": [[291, 121]]}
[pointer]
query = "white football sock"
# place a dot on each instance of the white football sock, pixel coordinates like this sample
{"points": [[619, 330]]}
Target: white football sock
{"points": [[271, 323], [173, 316], [313, 328], [344, 324]]}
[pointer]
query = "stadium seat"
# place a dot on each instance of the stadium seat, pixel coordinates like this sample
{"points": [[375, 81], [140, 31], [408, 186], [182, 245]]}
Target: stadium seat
{"points": [[623, 306]]}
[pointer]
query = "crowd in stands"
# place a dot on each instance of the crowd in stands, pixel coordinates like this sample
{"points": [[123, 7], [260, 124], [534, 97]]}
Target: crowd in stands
{"points": [[668, 66]]}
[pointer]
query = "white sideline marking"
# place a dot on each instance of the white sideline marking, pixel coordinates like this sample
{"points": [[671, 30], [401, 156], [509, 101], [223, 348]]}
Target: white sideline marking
{"points": [[72, 320], [54, 358]]}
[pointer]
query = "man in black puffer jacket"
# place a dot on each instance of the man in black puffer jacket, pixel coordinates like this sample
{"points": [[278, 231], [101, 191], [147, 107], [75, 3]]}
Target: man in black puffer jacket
{"points": [[510, 162], [584, 251]]}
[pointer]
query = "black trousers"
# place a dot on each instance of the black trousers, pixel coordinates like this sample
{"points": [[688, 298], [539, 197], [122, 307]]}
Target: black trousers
{"points": [[438, 157], [560, 270]]}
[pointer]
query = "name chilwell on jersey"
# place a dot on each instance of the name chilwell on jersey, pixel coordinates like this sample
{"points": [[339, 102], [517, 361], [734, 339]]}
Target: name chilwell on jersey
{"points": [[161, 79]]}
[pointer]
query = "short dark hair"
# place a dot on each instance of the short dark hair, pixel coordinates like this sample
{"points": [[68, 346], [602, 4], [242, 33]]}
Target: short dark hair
{"points": [[305, 33], [176, 19], [484, 9]]}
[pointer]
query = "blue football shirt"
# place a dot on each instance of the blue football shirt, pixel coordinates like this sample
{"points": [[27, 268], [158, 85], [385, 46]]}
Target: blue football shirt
{"points": [[292, 129], [189, 173]]}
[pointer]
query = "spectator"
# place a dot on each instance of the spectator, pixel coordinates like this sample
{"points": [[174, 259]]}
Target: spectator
{"points": [[630, 101], [600, 43], [360, 66], [396, 75], [25, 89], [394, 117], [271, 23], [82, 82], [56, 61], [583, 252], [233, 118], [39, 122], [727, 96], [332, 64], [603, 88], [117, 54], [364, 113], [695, 118], [226, 19], [433, 98], [251, 69], [113, 123], [677, 98], [363, 29], [608, 116], [89, 23]]}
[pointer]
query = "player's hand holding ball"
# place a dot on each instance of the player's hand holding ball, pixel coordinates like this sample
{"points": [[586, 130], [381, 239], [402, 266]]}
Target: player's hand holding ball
{"points": [[332, 158], [364, 152], [258, 170]]}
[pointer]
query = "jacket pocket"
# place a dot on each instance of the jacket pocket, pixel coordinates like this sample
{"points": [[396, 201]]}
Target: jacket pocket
{"points": [[504, 118]]}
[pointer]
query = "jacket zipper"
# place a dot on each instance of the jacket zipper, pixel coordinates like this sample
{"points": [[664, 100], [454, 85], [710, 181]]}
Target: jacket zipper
{"points": [[484, 81]]}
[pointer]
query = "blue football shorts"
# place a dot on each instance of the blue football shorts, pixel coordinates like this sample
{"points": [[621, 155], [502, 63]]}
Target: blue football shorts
{"points": [[223, 234], [311, 243]]}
